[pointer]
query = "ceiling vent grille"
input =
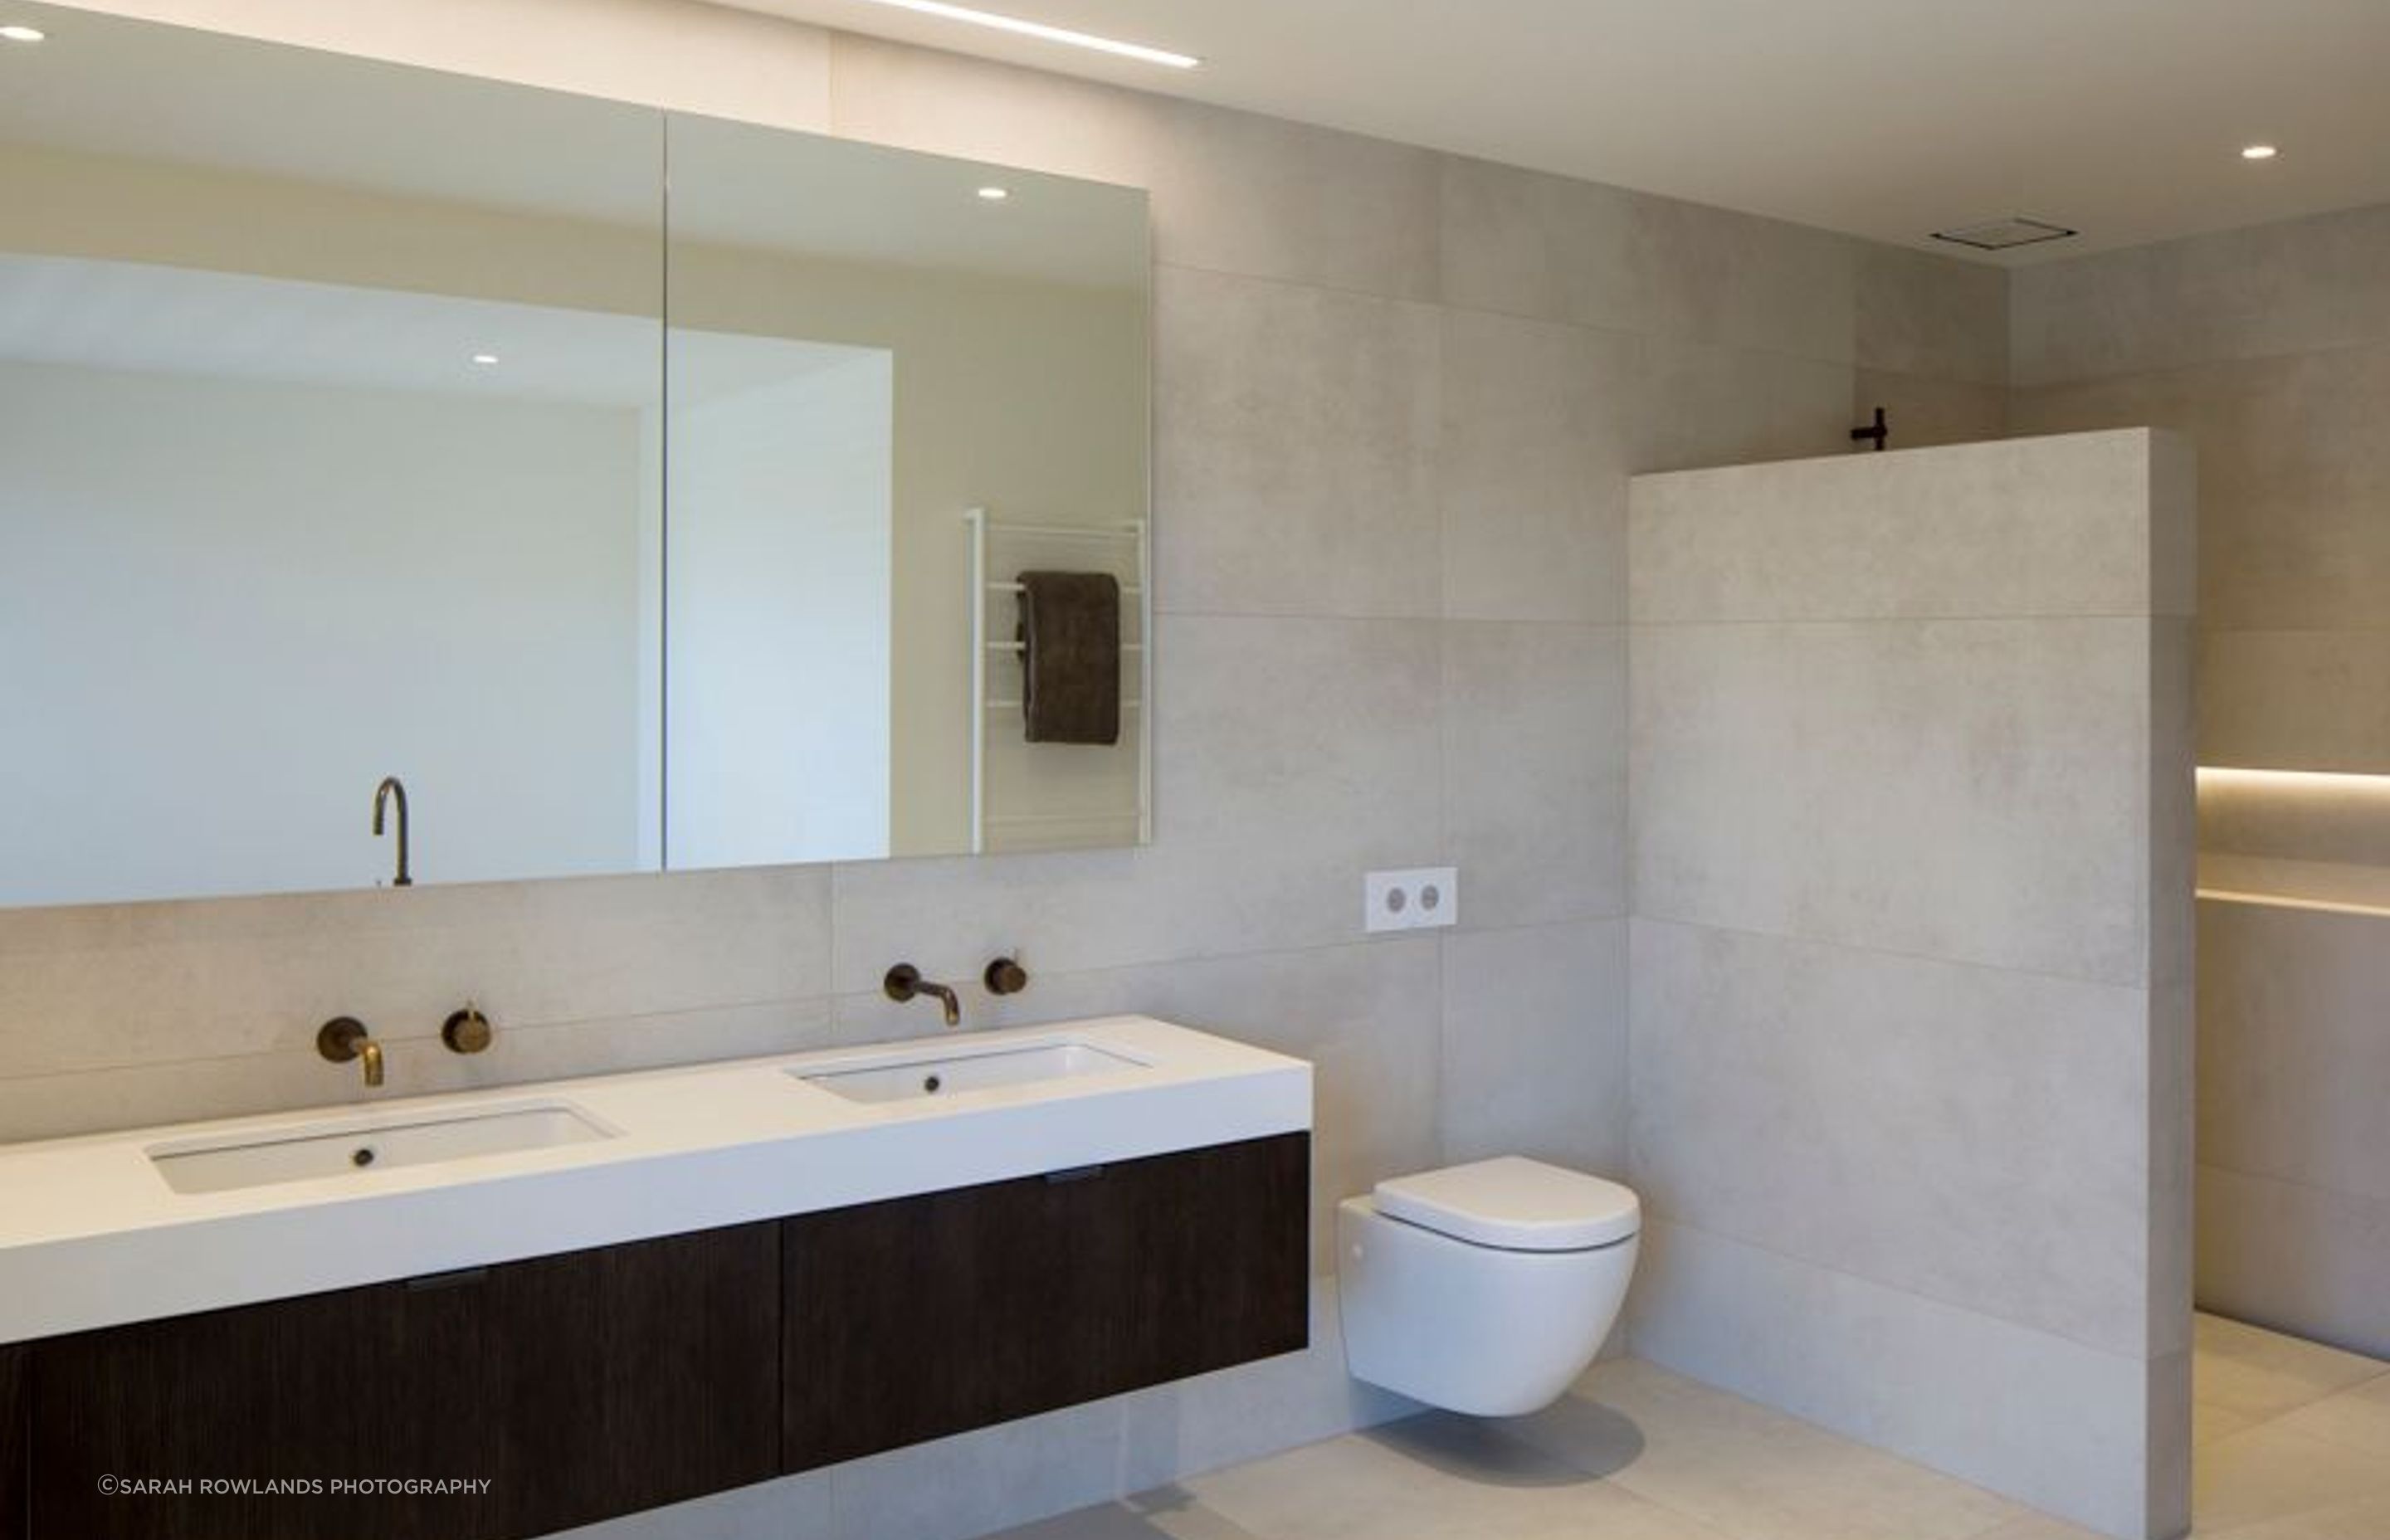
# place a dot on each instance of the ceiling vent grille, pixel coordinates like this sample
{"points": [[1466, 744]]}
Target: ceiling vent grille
{"points": [[2005, 234]]}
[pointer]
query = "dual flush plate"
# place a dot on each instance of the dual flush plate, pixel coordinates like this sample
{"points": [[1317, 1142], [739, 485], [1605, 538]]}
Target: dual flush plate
{"points": [[1419, 898]]}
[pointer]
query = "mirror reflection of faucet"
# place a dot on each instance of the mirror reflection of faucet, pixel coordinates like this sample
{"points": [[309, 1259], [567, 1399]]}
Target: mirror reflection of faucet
{"points": [[393, 790]]}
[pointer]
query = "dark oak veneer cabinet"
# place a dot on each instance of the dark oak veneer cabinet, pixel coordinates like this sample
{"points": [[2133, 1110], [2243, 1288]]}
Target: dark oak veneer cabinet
{"points": [[601, 1382], [14, 1457], [930, 1315], [581, 1386]]}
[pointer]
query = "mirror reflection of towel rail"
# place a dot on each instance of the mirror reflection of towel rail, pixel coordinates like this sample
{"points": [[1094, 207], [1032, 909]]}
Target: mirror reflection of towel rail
{"points": [[1015, 705], [1137, 566], [1069, 531], [1129, 588]]}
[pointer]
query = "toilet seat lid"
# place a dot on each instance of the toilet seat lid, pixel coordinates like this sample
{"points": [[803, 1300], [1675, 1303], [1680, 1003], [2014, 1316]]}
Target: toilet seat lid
{"points": [[1515, 1204]]}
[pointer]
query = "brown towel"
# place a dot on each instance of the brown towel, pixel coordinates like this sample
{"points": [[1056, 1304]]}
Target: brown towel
{"points": [[1070, 657]]}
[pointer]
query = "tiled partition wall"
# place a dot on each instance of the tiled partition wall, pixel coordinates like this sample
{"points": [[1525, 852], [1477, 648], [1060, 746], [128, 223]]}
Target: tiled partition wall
{"points": [[1399, 396], [2272, 348], [1910, 1035]]}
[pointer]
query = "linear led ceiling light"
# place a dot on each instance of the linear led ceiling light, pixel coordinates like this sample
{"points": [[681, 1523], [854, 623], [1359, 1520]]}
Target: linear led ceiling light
{"points": [[1041, 30]]}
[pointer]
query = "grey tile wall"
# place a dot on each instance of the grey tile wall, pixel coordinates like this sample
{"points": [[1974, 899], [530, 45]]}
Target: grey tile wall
{"points": [[1398, 397], [1910, 761]]}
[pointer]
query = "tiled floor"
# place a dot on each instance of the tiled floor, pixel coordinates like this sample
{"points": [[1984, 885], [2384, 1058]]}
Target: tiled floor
{"points": [[2294, 1444]]}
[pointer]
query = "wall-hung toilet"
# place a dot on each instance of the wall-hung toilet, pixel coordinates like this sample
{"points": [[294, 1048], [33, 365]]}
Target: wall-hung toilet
{"points": [[1486, 1288]]}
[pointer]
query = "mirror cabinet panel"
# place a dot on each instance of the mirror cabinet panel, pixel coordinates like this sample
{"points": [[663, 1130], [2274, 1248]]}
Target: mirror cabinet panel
{"points": [[359, 421], [885, 345]]}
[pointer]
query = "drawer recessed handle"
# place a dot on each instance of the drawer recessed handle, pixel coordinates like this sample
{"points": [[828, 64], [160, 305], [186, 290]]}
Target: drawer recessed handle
{"points": [[1076, 1173], [463, 1277]]}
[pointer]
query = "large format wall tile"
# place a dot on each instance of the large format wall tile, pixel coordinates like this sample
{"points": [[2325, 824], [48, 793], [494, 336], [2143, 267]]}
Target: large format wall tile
{"points": [[1534, 771], [2294, 286], [1717, 275], [1526, 243], [1531, 463], [140, 984], [1534, 1045], [1293, 755], [1969, 789], [1704, 405], [1775, 1081], [1294, 450], [2294, 473], [1908, 977], [2295, 699], [1923, 412], [1961, 1392], [2293, 1056], [1927, 314], [164, 1090], [2026, 527], [2297, 1259]]}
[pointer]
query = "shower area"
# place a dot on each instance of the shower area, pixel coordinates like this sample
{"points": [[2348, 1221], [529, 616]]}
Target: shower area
{"points": [[2268, 349], [2081, 1191]]}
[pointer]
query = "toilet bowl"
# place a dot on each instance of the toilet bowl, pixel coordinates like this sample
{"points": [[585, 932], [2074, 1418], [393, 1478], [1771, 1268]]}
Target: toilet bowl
{"points": [[1486, 1288]]}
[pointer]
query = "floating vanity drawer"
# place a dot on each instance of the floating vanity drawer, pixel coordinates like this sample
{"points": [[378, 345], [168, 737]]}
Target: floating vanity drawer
{"points": [[578, 1386], [924, 1316], [15, 1460]]}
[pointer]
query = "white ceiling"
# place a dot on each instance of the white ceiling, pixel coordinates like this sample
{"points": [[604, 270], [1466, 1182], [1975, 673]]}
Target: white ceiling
{"points": [[1883, 117]]}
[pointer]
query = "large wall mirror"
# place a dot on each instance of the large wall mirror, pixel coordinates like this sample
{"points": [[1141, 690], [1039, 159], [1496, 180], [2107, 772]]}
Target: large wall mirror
{"points": [[361, 422]]}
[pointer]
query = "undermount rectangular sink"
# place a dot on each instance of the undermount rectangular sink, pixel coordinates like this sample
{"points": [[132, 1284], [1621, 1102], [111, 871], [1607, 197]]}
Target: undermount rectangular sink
{"points": [[336, 1148], [947, 1071]]}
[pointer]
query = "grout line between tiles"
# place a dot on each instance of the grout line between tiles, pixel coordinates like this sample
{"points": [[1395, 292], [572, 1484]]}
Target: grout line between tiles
{"points": [[1908, 1293]]}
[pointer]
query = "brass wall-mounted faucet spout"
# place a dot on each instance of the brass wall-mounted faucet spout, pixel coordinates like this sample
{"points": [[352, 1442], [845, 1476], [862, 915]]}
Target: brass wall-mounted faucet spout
{"points": [[392, 789], [904, 982], [343, 1038]]}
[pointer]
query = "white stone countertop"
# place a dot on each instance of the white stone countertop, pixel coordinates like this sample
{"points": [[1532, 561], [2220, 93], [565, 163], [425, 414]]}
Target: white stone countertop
{"points": [[92, 1234]]}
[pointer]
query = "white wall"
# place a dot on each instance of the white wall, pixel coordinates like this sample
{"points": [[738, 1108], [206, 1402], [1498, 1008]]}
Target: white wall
{"points": [[1911, 954], [229, 609], [778, 618]]}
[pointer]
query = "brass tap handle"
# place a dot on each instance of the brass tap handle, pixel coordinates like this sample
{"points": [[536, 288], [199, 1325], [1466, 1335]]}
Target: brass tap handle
{"points": [[1005, 976], [344, 1038], [466, 1031]]}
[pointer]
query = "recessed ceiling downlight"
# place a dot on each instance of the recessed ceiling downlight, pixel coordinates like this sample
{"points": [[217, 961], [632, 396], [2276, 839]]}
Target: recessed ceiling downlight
{"points": [[2005, 234], [485, 361], [1024, 28], [2260, 152], [994, 195], [15, 32]]}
